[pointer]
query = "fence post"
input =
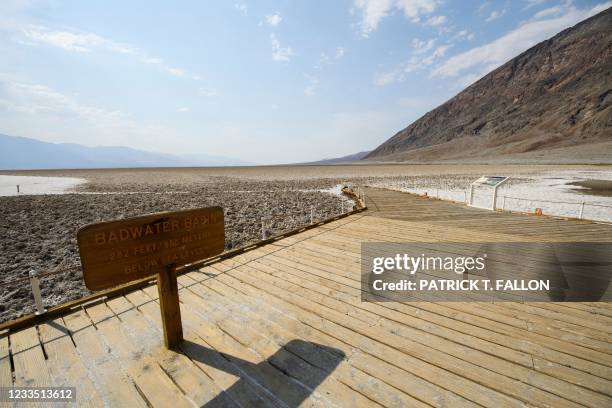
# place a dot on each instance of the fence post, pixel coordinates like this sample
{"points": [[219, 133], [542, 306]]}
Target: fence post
{"points": [[263, 229], [311, 214], [35, 282], [17, 188], [581, 210]]}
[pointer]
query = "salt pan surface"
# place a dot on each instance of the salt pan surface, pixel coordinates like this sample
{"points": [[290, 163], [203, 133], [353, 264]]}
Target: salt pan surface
{"points": [[30, 185]]}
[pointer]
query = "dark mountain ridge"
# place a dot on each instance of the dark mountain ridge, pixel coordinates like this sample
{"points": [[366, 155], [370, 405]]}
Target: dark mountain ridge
{"points": [[554, 97]]}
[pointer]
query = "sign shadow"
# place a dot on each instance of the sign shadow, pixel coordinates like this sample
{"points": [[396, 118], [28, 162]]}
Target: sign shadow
{"points": [[287, 378]]}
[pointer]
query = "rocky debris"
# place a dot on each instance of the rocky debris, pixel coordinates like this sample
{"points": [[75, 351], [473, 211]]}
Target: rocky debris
{"points": [[39, 231], [555, 97]]}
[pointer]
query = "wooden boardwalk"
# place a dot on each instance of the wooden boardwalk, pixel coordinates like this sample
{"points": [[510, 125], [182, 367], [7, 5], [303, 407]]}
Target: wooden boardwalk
{"points": [[283, 325]]}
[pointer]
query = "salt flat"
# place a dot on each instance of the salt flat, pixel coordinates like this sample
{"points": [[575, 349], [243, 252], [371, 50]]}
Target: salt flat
{"points": [[29, 185]]}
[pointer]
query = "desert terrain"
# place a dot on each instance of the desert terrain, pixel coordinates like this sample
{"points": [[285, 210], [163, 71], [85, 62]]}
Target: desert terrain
{"points": [[39, 230]]}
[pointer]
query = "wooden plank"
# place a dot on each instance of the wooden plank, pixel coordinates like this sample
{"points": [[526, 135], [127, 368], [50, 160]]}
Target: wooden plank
{"points": [[6, 376], [139, 358], [548, 331], [65, 365], [232, 322], [284, 331], [521, 334], [394, 370], [183, 372], [115, 387], [396, 322], [254, 366], [404, 313], [224, 373], [30, 365], [483, 375], [431, 373]]}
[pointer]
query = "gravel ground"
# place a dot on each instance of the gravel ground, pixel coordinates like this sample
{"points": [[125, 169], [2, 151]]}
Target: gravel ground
{"points": [[39, 231]]}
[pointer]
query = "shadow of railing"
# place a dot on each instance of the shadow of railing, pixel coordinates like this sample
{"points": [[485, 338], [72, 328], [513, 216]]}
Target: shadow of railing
{"points": [[283, 379]]}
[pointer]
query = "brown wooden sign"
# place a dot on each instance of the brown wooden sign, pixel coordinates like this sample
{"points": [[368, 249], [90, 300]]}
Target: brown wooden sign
{"points": [[121, 251]]}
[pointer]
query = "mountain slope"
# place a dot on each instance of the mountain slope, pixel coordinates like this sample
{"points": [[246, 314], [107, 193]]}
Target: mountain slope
{"points": [[555, 97], [344, 159], [17, 153]]}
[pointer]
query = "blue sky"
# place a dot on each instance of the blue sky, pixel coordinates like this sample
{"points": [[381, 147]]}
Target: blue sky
{"points": [[266, 81]]}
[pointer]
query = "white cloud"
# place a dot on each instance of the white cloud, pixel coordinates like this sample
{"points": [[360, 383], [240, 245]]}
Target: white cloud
{"points": [[531, 3], [373, 11], [415, 63], [421, 46], [494, 15], [313, 83], [279, 53], [387, 78], [183, 109], [325, 59], [155, 61], [176, 71], [340, 51], [208, 92], [242, 8], [38, 110], [77, 42], [24, 98], [437, 21], [551, 11], [491, 55], [274, 19], [80, 42], [463, 34]]}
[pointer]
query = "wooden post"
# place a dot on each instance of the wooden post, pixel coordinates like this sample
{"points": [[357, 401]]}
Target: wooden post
{"points": [[35, 283], [264, 236], [167, 287]]}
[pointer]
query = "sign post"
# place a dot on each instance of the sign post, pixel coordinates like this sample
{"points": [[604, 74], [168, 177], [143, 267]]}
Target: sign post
{"points": [[117, 252], [167, 288], [487, 181]]}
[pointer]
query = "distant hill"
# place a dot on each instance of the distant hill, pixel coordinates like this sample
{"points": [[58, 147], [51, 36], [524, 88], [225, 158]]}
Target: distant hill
{"points": [[550, 103], [19, 153], [344, 159]]}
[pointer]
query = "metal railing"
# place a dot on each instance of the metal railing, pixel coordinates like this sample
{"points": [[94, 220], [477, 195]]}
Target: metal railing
{"points": [[580, 205], [580, 208]]}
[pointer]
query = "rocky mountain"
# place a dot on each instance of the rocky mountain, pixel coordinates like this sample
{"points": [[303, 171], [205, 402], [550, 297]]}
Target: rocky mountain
{"points": [[18, 153], [344, 159], [552, 102]]}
